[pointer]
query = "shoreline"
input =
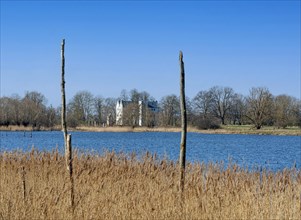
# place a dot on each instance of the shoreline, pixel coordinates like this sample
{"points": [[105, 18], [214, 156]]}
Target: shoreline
{"points": [[224, 130]]}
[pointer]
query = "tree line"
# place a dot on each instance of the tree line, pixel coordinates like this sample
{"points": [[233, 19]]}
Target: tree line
{"points": [[207, 110]]}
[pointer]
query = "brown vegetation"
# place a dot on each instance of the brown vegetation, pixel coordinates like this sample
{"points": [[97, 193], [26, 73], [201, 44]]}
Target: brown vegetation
{"points": [[35, 185], [232, 129]]}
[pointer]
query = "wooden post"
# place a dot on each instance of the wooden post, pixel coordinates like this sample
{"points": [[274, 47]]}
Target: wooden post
{"points": [[63, 112], [70, 169], [183, 123], [67, 137], [23, 183]]}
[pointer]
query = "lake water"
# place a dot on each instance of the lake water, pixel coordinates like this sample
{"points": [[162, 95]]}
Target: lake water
{"points": [[267, 151]]}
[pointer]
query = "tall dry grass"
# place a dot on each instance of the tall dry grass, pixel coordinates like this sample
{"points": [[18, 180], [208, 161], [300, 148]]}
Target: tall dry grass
{"points": [[116, 186]]}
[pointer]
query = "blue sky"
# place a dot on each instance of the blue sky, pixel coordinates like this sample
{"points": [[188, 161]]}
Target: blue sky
{"points": [[118, 45]]}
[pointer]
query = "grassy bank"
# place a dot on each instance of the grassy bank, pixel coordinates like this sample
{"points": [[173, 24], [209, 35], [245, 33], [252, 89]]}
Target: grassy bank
{"points": [[227, 129], [115, 186], [232, 129], [265, 130]]}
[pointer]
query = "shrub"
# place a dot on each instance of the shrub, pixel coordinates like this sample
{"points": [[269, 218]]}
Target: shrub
{"points": [[207, 123]]}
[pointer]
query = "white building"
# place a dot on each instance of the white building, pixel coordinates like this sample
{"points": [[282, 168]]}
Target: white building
{"points": [[144, 107]]}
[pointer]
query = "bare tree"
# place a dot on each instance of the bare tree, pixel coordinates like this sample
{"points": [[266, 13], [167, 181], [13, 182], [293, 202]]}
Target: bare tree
{"points": [[149, 117], [99, 109], [34, 109], [52, 117], [202, 103], [10, 110], [238, 109], [131, 114], [135, 96], [285, 111], [5, 109], [221, 101], [16, 109], [124, 95], [170, 111], [29, 110], [259, 104], [81, 107], [109, 110]]}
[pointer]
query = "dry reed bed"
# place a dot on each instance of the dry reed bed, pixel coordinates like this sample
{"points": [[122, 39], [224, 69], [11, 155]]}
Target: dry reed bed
{"points": [[35, 185]]}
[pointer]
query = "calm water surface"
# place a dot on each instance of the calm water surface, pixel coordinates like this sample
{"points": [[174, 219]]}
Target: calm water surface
{"points": [[267, 151]]}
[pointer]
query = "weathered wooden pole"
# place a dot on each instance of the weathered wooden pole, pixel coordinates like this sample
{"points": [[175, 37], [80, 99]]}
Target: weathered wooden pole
{"points": [[183, 123], [23, 182], [70, 169], [67, 137], [63, 112]]}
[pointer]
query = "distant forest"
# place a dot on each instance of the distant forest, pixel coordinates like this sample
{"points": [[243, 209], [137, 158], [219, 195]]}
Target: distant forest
{"points": [[207, 110]]}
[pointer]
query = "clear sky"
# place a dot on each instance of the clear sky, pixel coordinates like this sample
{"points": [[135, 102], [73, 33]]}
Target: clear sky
{"points": [[118, 45]]}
